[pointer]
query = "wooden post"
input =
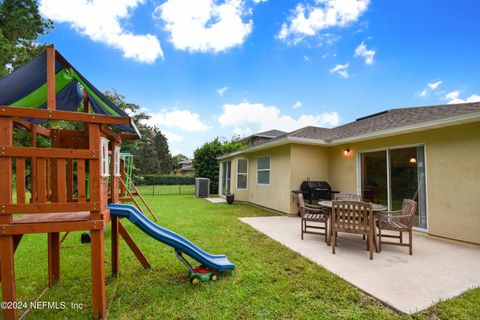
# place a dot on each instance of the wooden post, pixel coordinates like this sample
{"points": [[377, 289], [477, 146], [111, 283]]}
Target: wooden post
{"points": [[98, 275], [53, 258], [33, 164], [97, 195], [86, 102], [51, 86], [8, 275], [115, 247], [7, 268], [96, 181]]}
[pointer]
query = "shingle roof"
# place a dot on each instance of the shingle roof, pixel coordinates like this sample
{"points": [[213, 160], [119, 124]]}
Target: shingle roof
{"points": [[270, 133], [389, 119]]}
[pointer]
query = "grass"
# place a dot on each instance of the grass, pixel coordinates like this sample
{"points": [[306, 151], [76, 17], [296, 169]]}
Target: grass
{"points": [[270, 282]]}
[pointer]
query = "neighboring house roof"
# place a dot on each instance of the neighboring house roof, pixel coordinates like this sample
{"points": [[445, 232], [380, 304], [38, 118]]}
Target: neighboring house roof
{"points": [[269, 134], [186, 168], [386, 123], [185, 162]]}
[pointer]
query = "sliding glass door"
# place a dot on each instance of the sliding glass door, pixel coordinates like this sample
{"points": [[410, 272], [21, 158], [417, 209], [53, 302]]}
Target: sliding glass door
{"points": [[389, 176]]}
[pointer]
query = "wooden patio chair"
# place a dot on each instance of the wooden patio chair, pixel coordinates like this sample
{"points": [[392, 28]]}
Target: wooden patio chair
{"points": [[401, 221], [316, 214], [347, 197], [352, 217]]}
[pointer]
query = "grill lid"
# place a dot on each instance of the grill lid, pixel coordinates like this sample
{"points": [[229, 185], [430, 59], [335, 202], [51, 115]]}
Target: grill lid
{"points": [[314, 185]]}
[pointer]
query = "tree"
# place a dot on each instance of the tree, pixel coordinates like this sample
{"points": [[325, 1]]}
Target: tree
{"points": [[205, 160], [20, 25], [162, 151], [151, 153]]}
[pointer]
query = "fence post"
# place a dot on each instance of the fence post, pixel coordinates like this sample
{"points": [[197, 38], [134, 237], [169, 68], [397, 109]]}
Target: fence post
{"points": [[153, 190], [179, 189]]}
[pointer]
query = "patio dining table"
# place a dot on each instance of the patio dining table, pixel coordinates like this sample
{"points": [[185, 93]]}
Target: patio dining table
{"points": [[376, 207]]}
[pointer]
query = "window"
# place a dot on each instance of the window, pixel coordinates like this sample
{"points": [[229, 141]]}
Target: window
{"points": [[117, 161], [263, 170], [242, 172], [104, 157]]}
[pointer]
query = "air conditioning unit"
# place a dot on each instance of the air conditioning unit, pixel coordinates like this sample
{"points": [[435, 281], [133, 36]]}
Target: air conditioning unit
{"points": [[202, 187]]}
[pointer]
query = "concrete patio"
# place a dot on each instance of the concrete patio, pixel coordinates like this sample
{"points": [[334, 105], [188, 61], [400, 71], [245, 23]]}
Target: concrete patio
{"points": [[438, 270]]}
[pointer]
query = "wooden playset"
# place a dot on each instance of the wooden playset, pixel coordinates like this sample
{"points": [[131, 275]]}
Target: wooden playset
{"points": [[71, 182]]}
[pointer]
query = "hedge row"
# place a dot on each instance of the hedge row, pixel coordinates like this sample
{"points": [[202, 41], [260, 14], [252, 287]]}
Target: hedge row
{"points": [[162, 179]]}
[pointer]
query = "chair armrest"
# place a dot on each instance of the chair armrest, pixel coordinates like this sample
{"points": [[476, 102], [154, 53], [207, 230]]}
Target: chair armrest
{"points": [[319, 210], [311, 206], [388, 214]]}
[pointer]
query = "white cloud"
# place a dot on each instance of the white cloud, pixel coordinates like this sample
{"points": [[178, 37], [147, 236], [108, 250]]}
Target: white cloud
{"points": [[434, 85], [222, 90], [204, 25], [242, 132], [297, 105], [364, 52], [341, 70], [172, 136], [259, 1], [306, 58], [308, 19], [101, 21], [454, 97], [181, 119], [245, 115], [431, 87]]}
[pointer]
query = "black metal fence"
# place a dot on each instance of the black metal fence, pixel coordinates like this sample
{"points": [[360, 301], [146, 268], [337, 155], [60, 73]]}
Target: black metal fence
{"points": [[163, 190]]}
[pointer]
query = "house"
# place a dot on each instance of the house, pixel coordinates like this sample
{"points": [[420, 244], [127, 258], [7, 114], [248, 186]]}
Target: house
{"points": [[431, 152], [185, 168]]}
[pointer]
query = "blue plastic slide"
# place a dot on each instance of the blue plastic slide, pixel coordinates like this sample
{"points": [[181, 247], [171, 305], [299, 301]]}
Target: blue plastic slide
{"points": [[179, 243]]}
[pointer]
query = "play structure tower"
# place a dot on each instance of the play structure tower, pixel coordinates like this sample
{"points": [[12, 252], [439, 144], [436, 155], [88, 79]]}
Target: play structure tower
{"points": [[60, 199], [78, 182]]}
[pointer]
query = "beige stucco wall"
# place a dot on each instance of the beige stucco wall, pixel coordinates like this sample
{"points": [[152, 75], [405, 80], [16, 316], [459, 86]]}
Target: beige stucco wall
{"points": [[275, 195], [452, 173], [308, 161]]}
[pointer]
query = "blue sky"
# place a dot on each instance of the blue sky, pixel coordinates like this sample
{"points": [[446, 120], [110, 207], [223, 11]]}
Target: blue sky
{"points": [[206, 68]]}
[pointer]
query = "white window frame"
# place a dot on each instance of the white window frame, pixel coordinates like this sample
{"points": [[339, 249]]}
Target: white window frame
{"points": [[269, 170], [116, 157], [105, 172], [242, 174]]}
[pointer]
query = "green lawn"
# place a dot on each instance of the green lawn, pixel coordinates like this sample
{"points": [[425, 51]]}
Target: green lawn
{"points": [[270, 282]]}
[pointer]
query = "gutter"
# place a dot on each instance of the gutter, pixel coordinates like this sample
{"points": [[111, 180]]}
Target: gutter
{"points": [[461, 119]]}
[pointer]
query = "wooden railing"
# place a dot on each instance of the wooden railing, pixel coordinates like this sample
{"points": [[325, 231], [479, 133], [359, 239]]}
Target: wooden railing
{"points": [[50, 180]]}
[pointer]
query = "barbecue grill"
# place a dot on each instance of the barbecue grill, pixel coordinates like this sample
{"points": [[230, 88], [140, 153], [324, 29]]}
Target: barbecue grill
{"points": [[316, 190]]}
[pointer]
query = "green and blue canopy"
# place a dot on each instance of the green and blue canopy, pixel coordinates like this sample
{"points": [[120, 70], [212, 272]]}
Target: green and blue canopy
{"points": [[26, 87]]}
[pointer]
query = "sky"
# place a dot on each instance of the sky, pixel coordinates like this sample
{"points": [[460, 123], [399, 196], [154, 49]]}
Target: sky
{"points": [[207, 68]]}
